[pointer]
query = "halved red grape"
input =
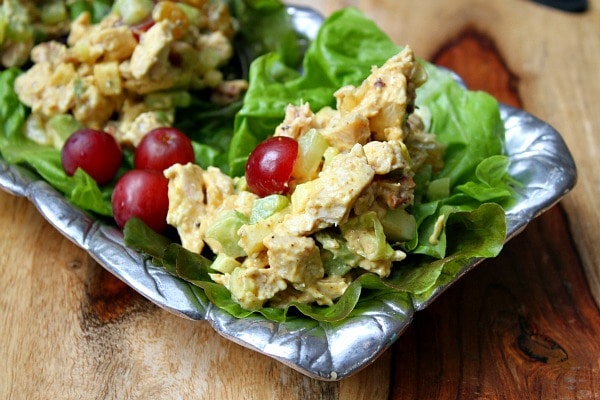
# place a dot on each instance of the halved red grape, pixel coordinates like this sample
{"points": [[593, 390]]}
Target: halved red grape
{"points": [[162, 147], [96, 152], [270, 165], [142, 27], [143, 194]]}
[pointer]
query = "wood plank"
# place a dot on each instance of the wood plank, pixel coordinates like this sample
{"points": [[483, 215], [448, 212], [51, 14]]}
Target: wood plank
{"points": [[521, 326]]}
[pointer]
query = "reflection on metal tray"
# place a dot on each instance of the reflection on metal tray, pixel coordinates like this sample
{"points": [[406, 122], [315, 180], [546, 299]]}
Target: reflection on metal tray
{"points": [[539, 159]]}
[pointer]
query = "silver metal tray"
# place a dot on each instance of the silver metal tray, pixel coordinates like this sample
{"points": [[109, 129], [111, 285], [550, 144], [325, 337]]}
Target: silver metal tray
{"points": [[540, 160]]}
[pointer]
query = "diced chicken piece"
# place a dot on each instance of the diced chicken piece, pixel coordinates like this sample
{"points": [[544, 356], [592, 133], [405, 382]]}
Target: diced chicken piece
{"points": [[49, 52], [297, 121], [47, 90], [327, 200], [256, 260], [188, 202], [133, 131], [251, 287], [297, 259], [145, 85], [79, 28], [328, 289], [107, 41], [30, 85], [215, 49], [108, 78], [386, 96], [323, 292], [117, 43], [227, 92], [379, 267], [152, 51], [92, 108], [196, 199], [344, 131], [385, 157], [219, 18], [323, 116]]}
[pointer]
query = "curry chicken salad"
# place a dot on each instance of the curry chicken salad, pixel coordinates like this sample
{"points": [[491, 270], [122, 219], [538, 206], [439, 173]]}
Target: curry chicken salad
{"points": [[343, 211], [127, 73]]}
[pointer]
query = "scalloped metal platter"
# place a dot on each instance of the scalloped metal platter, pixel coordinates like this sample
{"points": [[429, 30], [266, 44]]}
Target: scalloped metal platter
{"points": [[540, 160]]}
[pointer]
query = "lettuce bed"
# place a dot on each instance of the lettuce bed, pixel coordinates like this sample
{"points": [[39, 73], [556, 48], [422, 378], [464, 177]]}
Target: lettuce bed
{"points": [[468, 122]]}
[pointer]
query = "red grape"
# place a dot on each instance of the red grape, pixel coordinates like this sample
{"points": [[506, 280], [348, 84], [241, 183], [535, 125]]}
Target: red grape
{"points": [[95, 152], [270, 165], [162, 147], [142, 27], [143, 194]]}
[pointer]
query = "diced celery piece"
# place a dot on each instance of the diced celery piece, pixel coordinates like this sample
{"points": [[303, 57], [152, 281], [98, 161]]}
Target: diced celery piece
{"points": [[53, 12], [252, 235], [265, 207], [337, 258], [18, 26], [167, 100], [193, 14], [438, 189], [311, 147], [329, 154], [244, 288], [225, 231], [133, 11], [225, 264], [399, 225], [60, 127], [3, 26], [364, 235], [425, 114], [35, 129]]}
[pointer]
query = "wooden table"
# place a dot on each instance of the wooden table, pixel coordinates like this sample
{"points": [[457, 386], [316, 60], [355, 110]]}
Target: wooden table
{"points": [[524, 325]]}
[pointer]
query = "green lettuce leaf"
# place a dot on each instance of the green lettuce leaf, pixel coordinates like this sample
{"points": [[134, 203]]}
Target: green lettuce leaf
{"points": [[12, 112], [467, 236], [468, 122], [264, 27]]}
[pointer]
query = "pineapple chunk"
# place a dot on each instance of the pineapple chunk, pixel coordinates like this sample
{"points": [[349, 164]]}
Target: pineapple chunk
{"points": [[108, 78]]}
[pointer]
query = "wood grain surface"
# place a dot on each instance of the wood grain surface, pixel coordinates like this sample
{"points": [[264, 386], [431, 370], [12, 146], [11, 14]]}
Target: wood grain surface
{"points": [[524, 325]]}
